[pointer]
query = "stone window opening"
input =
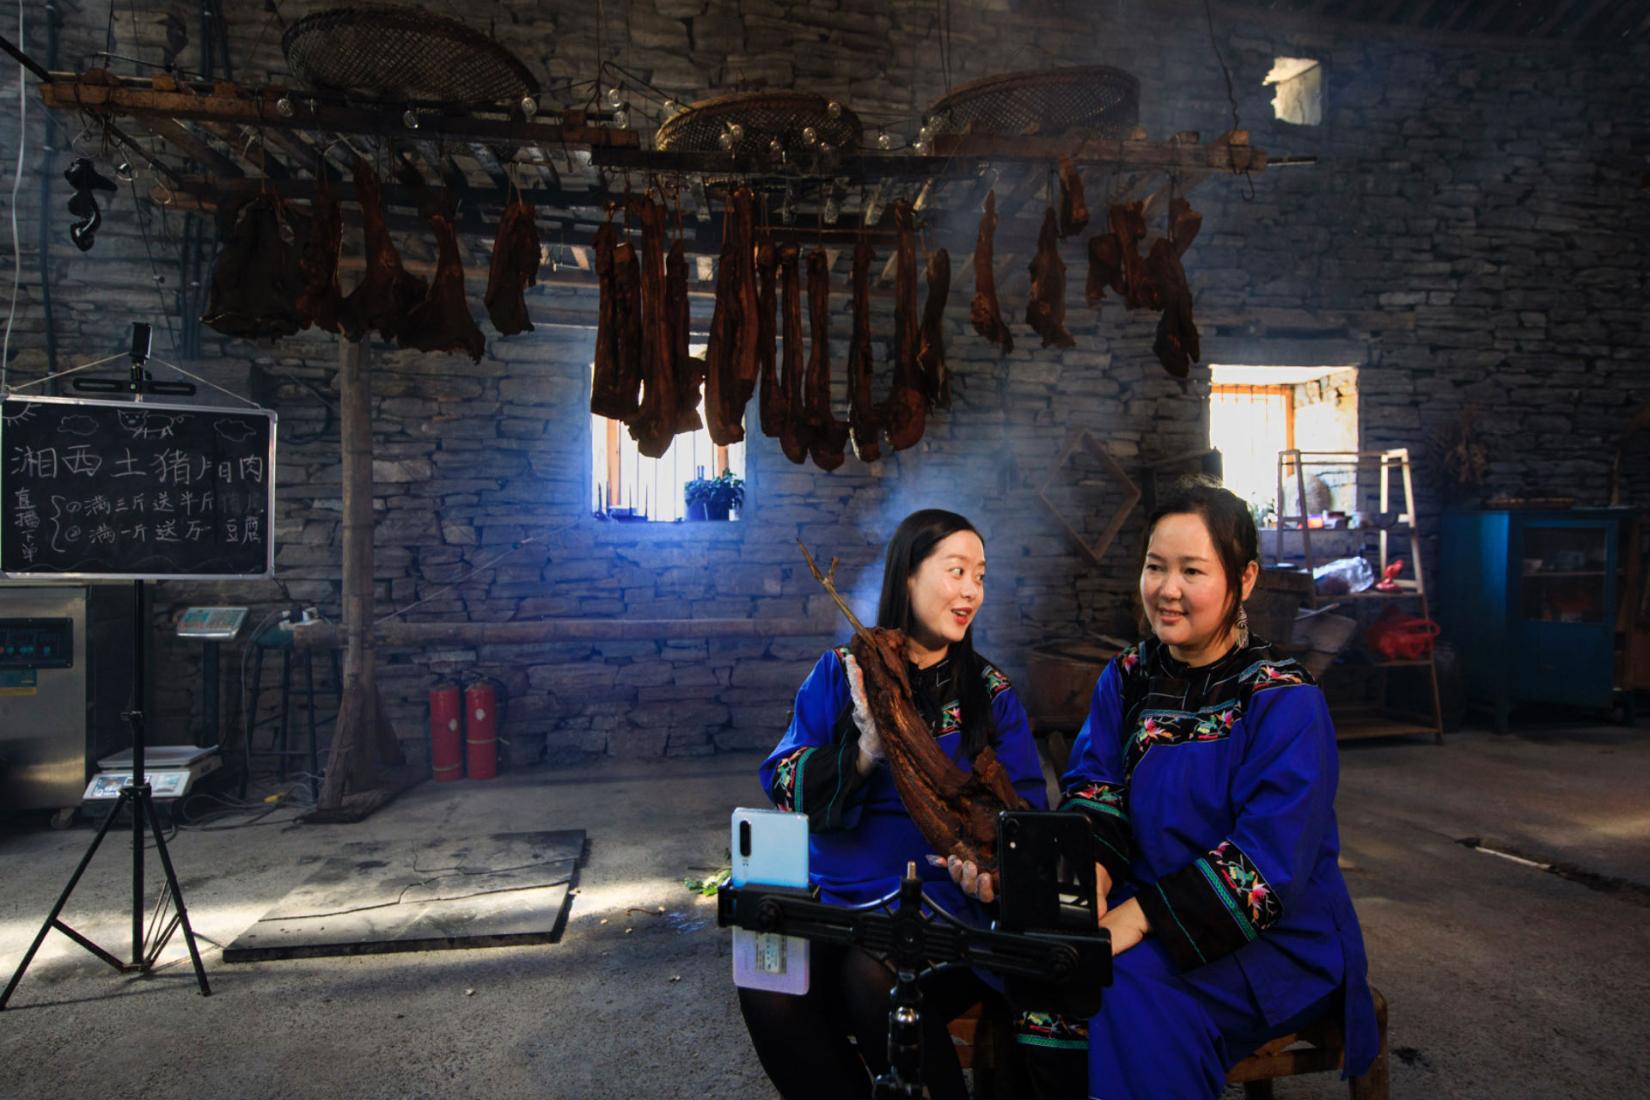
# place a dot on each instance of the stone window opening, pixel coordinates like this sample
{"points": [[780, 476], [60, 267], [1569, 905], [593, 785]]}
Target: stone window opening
{"points": [[627, 485], [1256, 412], [1297, 95]]}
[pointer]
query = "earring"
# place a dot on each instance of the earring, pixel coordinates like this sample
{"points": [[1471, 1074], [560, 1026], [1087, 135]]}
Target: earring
{"points": [[1243, 627]]}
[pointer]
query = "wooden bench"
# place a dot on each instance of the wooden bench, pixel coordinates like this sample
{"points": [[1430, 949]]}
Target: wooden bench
{"points": [[1316, 1048]]}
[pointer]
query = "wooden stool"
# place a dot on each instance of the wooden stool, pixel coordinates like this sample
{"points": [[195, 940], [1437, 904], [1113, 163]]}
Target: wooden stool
{"points": [[985, 1044], [1316, 1048]]}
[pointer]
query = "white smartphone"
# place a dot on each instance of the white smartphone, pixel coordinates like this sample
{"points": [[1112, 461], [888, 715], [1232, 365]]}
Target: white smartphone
{"points": [[770, 848]]}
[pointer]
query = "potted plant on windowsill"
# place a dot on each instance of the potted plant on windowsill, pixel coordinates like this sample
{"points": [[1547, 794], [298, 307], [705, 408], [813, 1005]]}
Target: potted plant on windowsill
{"points": [[712, 498]]}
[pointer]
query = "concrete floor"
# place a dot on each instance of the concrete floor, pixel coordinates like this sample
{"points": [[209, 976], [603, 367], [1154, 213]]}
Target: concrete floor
{"points": [[1505, 980]]}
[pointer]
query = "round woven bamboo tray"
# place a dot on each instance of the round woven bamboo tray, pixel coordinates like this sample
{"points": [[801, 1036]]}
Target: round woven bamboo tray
{"points": [[403, 55], [765, 117], [1043, 102]]}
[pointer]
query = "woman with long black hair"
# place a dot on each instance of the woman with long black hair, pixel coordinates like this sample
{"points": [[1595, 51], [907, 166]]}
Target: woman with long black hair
{"points": [[830, 766], [1207, 769]]}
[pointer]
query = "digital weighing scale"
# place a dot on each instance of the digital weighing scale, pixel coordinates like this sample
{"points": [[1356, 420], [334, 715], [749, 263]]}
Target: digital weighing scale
{"points": [[211, 624], [171, 771]]}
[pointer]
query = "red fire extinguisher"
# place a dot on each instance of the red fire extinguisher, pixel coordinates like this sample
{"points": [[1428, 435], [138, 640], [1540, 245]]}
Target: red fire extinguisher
{"points": [[446, 757], [481, 729]]}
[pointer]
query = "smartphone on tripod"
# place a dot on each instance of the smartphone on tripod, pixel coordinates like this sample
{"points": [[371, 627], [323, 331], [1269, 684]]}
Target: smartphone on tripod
{"points": [[1045, 872], [769, 848]]}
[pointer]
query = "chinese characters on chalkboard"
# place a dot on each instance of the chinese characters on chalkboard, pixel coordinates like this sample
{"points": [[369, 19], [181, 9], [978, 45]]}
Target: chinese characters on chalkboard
{"points": [[105, 488]]}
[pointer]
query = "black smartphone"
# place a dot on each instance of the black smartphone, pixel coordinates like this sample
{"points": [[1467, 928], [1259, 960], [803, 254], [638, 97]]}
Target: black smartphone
{"points": [[1045, 868]]}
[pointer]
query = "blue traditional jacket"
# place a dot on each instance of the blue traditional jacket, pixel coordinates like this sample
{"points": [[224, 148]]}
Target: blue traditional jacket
{"points": [[860, 835], [1211, 793]]}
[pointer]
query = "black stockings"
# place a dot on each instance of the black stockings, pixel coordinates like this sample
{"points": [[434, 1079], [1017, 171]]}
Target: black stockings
{"points": [[803, 1045]]}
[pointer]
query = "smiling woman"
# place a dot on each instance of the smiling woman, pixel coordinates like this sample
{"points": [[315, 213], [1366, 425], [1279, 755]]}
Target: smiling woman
{"points": [[1207, 771], [830, 766]]}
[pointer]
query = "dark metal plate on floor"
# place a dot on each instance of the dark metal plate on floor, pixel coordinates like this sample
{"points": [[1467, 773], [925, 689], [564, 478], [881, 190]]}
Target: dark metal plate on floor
{"points": [[382, 896]]}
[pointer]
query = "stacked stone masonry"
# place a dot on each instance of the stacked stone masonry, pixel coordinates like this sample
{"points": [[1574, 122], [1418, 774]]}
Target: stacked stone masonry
{"points": [[1469, 238]]}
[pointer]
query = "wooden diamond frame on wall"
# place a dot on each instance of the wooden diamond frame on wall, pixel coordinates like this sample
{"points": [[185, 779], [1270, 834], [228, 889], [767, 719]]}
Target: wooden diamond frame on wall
{"points": [[1085, 441]]}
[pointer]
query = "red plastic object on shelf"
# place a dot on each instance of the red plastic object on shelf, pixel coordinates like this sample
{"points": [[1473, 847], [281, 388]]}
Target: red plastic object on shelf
{"points": [[1399, 637]]}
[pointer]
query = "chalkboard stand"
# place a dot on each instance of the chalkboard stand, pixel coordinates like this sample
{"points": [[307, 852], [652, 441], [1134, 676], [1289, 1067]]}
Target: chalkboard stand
{"points": [[146, 948]]}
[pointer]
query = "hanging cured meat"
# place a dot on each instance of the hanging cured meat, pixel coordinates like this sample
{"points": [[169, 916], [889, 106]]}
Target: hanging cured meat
{"points": [[936, 380], [515, 267], [1184, 223], [1105, 268], [442, 321], [747, 332], [1074, 211], [829, 435], [774, 408], [654, 425], [686, 371], [794, 437], [864, 419], [256, 282], [723, 410], [984, 311], [905, 414], [1177, 345], [613, 389], [321, 299], [1046, 311], [386, 293], [1128, 225], [627, 289]]}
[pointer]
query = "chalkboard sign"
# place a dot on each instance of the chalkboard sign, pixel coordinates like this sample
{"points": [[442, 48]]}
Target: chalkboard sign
{"points": [[122, 490]]}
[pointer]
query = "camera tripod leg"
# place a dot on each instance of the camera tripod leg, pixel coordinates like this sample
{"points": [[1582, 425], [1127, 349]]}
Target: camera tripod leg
{"points": [[177, 900], [62, 900]]}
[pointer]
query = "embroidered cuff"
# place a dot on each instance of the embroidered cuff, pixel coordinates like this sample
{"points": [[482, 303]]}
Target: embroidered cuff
{"points": [[820, 781], [1103, 805], [1211, 908]]}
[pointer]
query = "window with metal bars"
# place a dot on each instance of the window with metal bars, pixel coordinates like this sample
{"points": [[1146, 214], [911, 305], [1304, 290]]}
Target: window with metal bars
{"points": [[628, 486]]}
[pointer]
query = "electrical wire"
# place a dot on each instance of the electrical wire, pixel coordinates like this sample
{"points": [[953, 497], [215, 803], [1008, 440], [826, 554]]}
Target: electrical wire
{"points": [[154, 268], [1214, 44], [488, 564], [206, 382], [248, 720], [16, 182], [71, 370]]}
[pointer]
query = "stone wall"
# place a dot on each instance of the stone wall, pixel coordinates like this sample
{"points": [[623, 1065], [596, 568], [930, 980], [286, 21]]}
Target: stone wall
{"points": [[1465, 239]]}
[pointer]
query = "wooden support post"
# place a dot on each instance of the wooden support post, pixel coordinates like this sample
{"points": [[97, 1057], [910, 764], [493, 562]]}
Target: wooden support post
{"points": [[348, 764]]}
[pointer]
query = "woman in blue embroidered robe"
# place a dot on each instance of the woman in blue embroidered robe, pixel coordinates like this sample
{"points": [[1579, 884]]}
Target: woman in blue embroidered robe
{"points": [[828, 765], [1207, 768]]}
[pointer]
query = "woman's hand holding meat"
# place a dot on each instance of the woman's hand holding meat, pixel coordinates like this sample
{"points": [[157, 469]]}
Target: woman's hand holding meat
{"points": [[870, 738], [971, 881]]}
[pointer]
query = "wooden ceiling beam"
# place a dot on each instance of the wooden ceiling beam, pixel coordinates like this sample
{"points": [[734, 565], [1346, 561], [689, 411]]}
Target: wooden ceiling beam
{"points": [[1488, 24], [195, 148], [100, 92]]}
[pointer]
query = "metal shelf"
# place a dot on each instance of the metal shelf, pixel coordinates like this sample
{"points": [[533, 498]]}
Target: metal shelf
{"points": [[1396, 496]]}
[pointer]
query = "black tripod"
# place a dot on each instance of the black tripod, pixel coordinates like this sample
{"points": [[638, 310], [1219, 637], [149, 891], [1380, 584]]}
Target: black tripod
{"points": [[147, 943], [1058, 971]]}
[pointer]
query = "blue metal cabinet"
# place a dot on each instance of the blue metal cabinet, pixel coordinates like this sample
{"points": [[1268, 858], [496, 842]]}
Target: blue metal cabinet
{"points": [[1528, 598]]}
